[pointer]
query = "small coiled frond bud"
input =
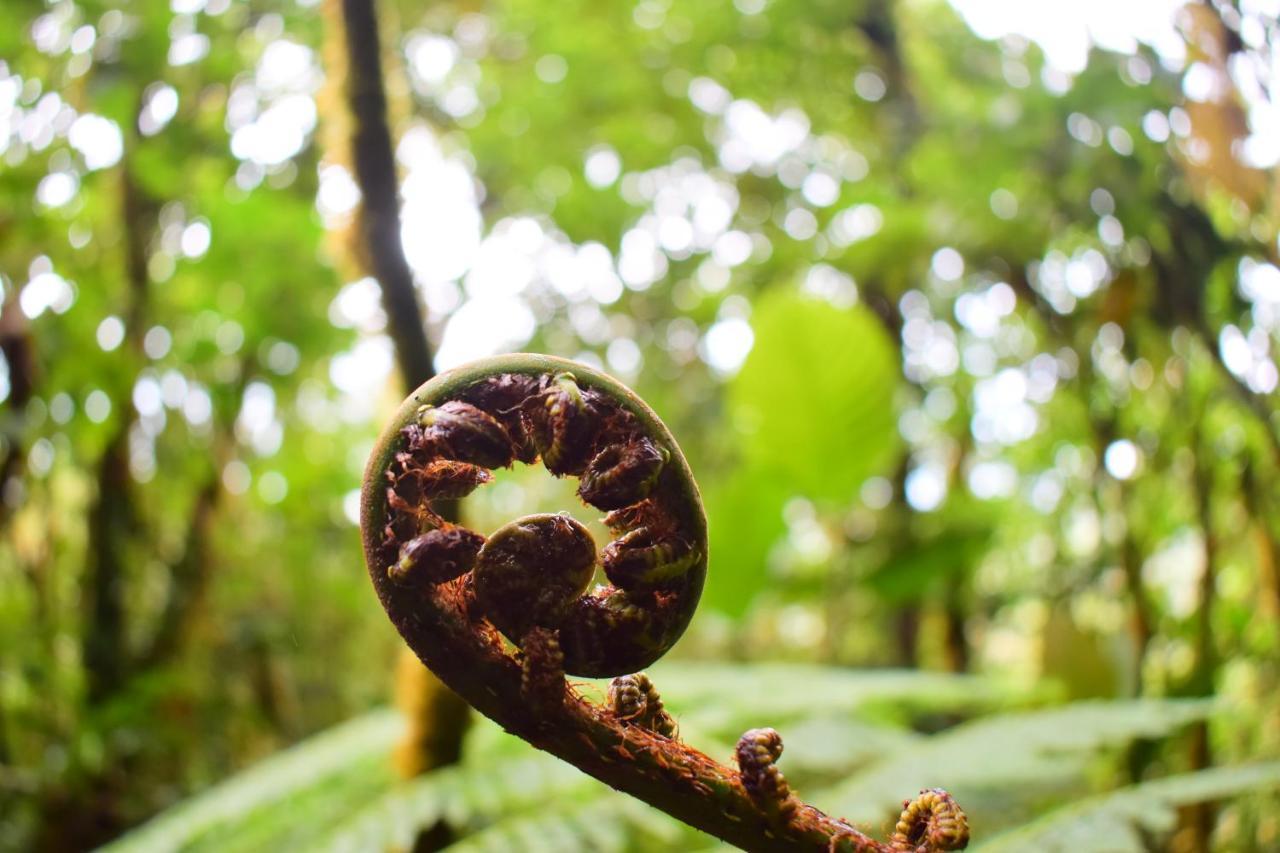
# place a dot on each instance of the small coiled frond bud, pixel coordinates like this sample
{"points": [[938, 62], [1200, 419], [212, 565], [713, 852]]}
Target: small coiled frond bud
{"points": [[644, 559], [932, 821], [621, 475], [757, 752], [466, 434], [612, 631], [503, 396], [530, 570], [542, 668], [436, 556], [626, 698], [562, 426], [634, 700]]}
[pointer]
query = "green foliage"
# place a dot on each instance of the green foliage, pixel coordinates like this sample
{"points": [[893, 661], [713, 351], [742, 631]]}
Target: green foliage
{"points": [[324, 795], [464, 798], [287, 791], [609, 822], [730, 698], [812, 411], [813, 402], [1009, 407], [1124, 820], [335, 791], [1021, 755]]}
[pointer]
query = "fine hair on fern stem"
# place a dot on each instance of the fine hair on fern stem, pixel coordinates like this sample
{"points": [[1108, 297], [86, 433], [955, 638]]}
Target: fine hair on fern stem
{"points": [[503, 619]]}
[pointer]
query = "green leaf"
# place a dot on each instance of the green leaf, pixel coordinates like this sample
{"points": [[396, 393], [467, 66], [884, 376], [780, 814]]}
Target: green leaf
{"points": [[1117, 821], [910, 575], [728, 699], [814, 400], [744, 520], [812, 410], [1005, 753], [465, 797], [312, 763], [607, 823]]}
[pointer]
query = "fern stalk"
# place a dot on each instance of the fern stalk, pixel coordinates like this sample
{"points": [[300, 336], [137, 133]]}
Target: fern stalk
{"points": [[445, 599]]}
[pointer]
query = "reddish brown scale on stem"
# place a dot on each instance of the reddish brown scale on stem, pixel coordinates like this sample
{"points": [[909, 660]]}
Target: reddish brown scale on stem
{"points": [[646, 514], [446, 479], [407, 519]]}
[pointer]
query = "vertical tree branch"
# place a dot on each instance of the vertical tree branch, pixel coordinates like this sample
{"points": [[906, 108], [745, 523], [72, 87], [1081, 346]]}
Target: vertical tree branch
{"points": [[112, 514], [1254, 491], [15, 343], [189, 574], [1201, 816], [438, 718], [1140, 623], [373, 159], [877, 23]]}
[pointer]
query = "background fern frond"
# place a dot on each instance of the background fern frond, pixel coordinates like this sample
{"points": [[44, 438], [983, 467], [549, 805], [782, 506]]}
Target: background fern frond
{"points": [[466, 797], [720, 695], [337, 792], [345, 761], [607, 823], [1116, 821], [1012, 756]]}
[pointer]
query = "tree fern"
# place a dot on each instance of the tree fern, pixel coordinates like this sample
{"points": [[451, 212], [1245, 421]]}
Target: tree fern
{"points": [[606, 823], [728, 695], [1005, 754], [307, 815], [466, 797], [1115, 822], [350, 754]]}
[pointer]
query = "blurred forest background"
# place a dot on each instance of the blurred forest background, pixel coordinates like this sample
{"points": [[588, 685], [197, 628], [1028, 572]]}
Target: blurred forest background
{"points": [[964, 313]]}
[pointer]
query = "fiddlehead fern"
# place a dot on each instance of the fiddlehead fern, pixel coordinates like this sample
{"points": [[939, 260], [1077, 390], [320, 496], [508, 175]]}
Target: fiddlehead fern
{"points": [[635, 701], [463, 601], [535, 571], [932, 820]]}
